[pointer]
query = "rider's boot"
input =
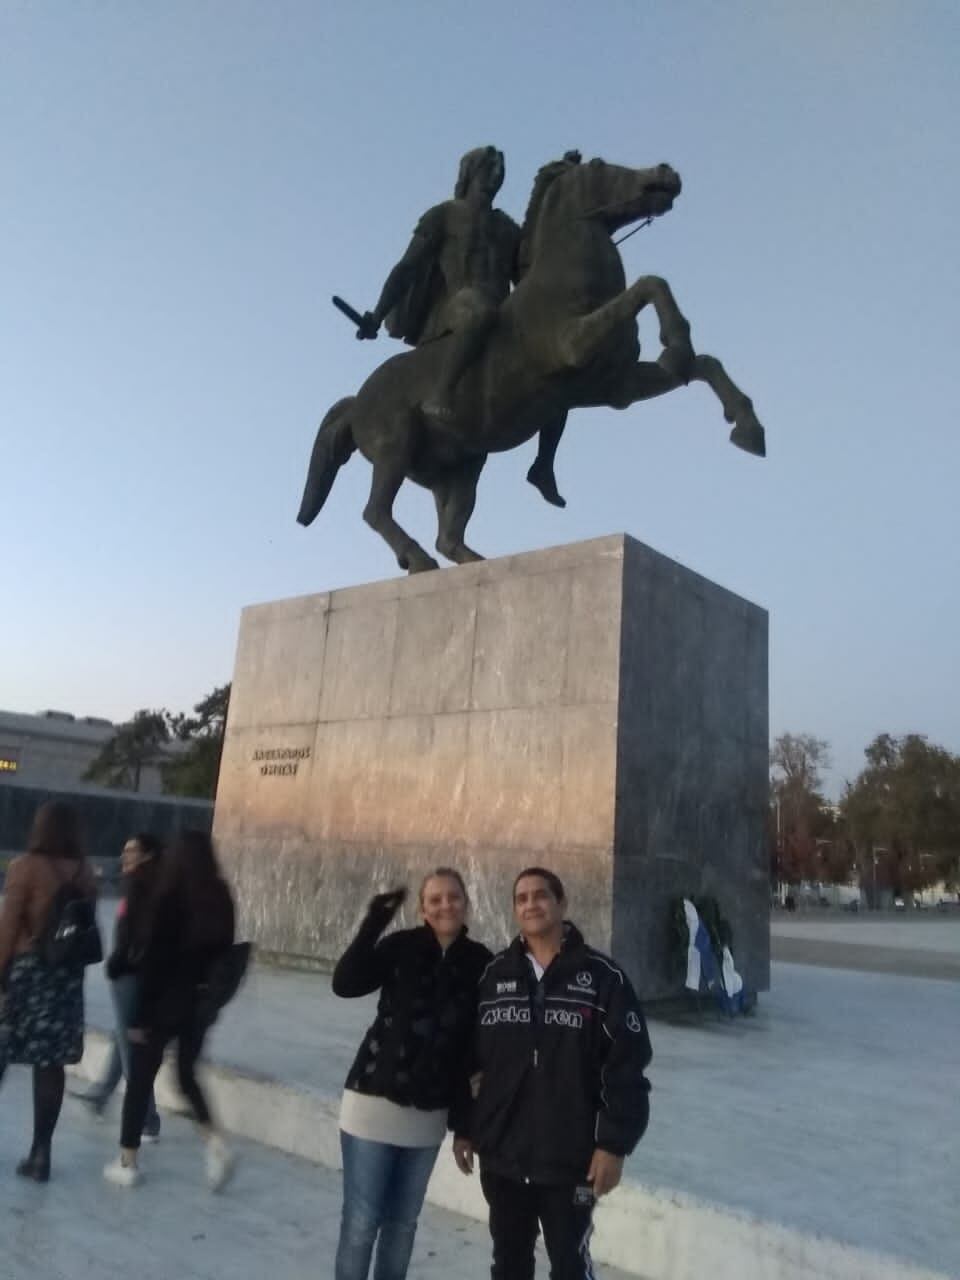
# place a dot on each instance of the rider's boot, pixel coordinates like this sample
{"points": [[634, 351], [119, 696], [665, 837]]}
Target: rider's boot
{"points": [[541, 476]]}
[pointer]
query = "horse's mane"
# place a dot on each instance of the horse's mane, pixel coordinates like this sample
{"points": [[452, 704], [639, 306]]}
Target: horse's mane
{"points": [[546, 176]]}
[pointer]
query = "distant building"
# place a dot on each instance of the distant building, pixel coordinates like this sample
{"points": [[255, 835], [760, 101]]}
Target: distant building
{"points": [[54, 749], [107, 818]]}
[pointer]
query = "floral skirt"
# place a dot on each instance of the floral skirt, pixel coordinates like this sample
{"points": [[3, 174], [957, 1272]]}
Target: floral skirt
{"points": [[44, 1014]]}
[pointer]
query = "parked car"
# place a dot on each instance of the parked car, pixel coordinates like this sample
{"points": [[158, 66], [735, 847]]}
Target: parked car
{"points": [[852, 905], [899, 904]]}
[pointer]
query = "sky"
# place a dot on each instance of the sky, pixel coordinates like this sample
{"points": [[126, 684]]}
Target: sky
{"points": [[183, 186]]}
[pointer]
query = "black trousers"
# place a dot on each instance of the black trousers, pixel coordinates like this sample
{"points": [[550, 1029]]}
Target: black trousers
{"points": [[517, 1209], [48, 1085], [145, 1062]]}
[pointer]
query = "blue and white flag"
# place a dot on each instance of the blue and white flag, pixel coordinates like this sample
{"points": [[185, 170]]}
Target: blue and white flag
{"points": [[735, 997], [720, 979], [701, 962]]}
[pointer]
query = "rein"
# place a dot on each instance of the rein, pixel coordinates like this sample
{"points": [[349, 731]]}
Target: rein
{"points": [[638, 227], [592, 213]]}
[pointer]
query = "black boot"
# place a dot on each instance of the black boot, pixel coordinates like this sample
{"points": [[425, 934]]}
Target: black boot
{"points": [[541, 477], [36, 1165]]}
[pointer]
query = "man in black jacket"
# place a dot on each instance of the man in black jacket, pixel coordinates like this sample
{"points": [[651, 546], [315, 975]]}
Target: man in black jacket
{"points": [[561, 1050]]}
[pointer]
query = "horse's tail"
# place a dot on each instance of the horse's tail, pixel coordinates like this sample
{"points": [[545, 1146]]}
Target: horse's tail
{"points": [[331, 449]]}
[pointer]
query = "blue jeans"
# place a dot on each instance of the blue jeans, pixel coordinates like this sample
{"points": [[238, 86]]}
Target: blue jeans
{"points": [[124, 992], [383, 1190]]}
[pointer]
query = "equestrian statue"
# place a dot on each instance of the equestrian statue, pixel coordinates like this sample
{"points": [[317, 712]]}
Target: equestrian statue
{"points": [[512, 327]]}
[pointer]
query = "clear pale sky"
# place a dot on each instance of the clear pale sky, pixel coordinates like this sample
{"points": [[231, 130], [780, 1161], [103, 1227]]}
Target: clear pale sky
{"points": [[183, 185]]}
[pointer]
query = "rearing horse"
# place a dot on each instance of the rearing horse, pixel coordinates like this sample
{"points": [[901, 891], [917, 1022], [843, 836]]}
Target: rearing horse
{"points": [[566, 338]]}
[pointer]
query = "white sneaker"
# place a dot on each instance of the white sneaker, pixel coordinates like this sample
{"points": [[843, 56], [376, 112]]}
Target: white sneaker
{"points": [[122, 1175], [221, 1163]]}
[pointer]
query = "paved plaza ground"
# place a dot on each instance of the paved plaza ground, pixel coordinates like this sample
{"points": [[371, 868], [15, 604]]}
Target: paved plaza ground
{"points": [[832, 1112], [278, 1219], [934, 931], [921, 945]]}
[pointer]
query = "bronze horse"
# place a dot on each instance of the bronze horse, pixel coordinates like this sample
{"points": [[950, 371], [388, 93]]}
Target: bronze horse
{"points": [[566, 339]]}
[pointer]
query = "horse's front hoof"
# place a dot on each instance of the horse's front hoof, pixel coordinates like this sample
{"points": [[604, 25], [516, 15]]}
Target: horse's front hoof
{"points": [[750, 437]]}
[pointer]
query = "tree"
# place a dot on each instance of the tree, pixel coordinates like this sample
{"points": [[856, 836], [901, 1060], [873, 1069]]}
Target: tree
{"points": [[799, 760], [136, 744], [903, 814], [193, 770], [806, 843]]}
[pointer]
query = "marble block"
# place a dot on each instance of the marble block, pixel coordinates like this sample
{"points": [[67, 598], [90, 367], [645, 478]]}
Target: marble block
{"points": [[594, 708]]}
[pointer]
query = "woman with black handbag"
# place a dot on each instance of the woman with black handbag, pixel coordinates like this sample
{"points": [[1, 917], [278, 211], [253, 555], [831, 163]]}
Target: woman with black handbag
{"points": [[42, 972]]}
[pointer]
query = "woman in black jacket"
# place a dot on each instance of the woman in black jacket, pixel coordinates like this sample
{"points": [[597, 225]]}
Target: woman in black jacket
{"points": [[412, 1067], [140, 864], [191, 926]]}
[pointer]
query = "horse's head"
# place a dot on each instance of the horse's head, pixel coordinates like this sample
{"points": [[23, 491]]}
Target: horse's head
{"points": [[618, 196], [612, 194]]}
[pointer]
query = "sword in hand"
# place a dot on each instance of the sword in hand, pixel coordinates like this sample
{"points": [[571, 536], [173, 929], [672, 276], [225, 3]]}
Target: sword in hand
{"points": [[367, 324]]}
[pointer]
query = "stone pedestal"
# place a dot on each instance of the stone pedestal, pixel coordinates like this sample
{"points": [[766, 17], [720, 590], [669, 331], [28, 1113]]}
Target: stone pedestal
{"points": [[596, 708]]}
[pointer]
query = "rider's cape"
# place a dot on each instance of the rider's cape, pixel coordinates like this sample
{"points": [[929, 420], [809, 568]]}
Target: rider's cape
{"points": [[417, 317]]}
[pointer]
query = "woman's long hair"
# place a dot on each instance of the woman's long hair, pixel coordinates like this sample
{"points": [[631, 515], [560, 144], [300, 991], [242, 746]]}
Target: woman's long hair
{"points": [[192, 872], [141, 888], [56, 831], [191, 862]]}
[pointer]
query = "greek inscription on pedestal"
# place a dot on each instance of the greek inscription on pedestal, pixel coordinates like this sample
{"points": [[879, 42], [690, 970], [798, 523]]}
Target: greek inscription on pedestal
{"points": [[279, 762]]}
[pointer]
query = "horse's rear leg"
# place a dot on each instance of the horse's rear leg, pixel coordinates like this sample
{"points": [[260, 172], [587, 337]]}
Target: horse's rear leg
{"points": [[389, 474], [455, 499]]}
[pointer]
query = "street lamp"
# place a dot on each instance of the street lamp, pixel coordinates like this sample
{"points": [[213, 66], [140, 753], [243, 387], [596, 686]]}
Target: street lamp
{"points": [[875, 880]]}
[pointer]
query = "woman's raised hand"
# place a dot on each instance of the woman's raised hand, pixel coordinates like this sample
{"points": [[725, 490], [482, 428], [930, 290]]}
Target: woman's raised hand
{"points": [[386, 905]]}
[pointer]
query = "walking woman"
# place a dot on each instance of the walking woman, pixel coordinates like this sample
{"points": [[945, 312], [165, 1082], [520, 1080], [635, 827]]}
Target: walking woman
{"points": [[44, 1003], [191, 925], [411, 1068], [140, 863]]}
